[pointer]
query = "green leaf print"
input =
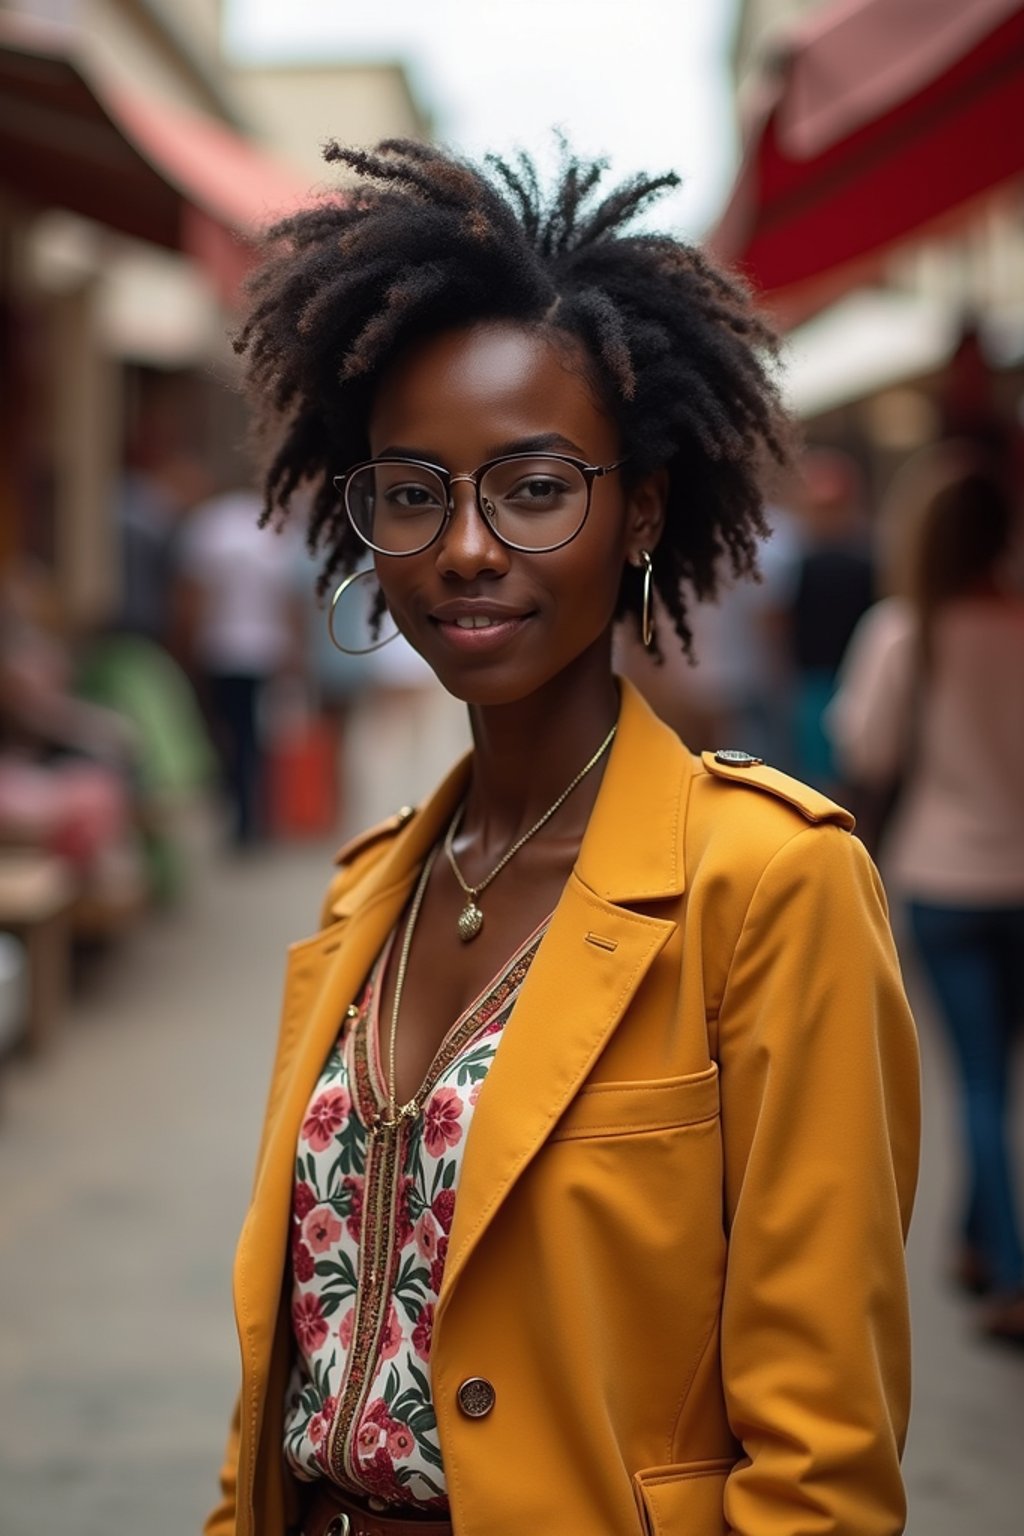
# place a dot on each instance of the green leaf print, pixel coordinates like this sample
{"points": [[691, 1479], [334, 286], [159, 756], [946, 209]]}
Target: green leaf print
{"points": [[420, 1379], [429, 1451], [422, 1421]]}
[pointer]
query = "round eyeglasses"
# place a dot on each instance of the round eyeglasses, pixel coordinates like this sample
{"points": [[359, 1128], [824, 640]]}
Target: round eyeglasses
{"points": [[533, 502]]}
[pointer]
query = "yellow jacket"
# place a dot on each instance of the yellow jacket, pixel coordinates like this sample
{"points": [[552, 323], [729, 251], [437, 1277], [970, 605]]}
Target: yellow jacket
{"points": [[677, 1247]]}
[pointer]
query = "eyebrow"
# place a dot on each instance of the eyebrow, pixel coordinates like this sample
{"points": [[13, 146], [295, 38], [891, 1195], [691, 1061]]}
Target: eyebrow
{"points": [[541, 442]]}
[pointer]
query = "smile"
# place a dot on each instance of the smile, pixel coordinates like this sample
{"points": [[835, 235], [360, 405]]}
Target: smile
{"points": [[472, 633]]}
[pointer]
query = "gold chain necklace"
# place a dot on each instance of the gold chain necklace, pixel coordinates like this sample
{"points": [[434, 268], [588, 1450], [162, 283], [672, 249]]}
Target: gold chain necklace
{"points": [[397, 1113], [471, 919]]}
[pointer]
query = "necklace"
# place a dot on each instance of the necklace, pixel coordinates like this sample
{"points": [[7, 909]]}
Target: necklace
{"points": [[471, 919], [408, 1111]]}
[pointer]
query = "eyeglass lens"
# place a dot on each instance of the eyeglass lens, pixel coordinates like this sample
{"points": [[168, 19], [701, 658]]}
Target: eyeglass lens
{"points": [[532, 504]]}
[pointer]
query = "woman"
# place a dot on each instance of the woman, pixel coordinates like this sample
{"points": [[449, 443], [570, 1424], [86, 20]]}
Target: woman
{"points": [[591, 1138], [931, 694]]}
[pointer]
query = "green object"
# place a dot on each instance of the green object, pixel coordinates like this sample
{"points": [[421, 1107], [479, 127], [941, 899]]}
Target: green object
{"points": [[138, 679]]}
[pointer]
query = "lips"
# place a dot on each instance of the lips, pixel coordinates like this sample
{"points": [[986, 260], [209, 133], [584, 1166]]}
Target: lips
{"points": [[475, 613], [472, 626]]}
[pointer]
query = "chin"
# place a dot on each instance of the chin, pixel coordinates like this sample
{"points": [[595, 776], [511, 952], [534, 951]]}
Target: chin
{"points": [[486, 687]]}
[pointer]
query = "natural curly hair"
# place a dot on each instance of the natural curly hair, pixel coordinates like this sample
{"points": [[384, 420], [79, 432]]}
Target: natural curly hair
{"points": [[426, 241]]}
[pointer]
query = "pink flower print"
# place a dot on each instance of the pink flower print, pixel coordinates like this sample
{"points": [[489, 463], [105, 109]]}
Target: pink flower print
{"points": [[317, 1428], [354, 1220], [302, 1264], [441, 1126], [304, 1201], [425, 1233], [391, 1336], [443, 1207], [345, 1328], [309, 1322], [403, 1221], [400, 1442], [437, 1268], [327, 1114], [378, 1475], [370, 1436], [423, 1333], [474, 1092], [321, 1228], [377, 1412]]}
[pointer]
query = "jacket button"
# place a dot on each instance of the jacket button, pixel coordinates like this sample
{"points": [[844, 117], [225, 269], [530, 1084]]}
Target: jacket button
{"points": [[732, 759], [476, 1397]]}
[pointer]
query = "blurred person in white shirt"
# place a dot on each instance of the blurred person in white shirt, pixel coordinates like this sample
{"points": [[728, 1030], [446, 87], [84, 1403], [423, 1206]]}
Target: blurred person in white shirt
{"points": [[242, 620]]}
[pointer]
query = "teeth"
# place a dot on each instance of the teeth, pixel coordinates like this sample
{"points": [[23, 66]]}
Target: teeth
{"points": [[475, 621]]}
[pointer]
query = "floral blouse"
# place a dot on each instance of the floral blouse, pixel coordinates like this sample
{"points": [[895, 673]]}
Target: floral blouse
{"points": [[371, 1214]]}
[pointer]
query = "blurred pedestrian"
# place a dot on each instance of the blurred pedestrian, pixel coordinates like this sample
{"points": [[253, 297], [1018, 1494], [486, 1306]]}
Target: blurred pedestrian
{"points": [[834, 586], [592, 1137], [241, 620], [930, 713]]}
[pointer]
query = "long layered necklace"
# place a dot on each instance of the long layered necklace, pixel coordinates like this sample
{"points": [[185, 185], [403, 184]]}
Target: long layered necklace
{"points": [[471, 918]]}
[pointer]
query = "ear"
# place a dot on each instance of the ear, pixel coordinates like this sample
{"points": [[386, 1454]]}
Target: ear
{"points": [[645, 518]]}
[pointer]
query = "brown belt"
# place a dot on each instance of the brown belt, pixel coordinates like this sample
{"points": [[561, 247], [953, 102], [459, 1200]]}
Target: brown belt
{"points": [[332, 1513]]}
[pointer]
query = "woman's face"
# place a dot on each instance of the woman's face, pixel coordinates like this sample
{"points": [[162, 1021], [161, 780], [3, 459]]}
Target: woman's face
{"points": [[458, 400]]}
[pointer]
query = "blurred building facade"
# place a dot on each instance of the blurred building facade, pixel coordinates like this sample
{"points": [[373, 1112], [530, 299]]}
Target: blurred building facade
{"points": [[927, 337], [138, 165]]}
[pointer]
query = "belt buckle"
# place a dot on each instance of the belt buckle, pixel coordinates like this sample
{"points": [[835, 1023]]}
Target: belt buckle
{"points": [[340, 1525]]}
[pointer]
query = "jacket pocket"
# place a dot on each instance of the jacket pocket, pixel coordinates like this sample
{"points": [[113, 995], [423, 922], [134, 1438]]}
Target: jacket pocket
{"points": [[628, 1109], [683, 1500]]}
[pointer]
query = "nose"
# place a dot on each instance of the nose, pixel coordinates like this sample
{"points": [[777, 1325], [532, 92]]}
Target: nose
{"points": [[468, 547]]}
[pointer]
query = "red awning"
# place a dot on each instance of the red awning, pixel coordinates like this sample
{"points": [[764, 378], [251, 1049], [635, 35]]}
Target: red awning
{"points": [[73, 137], [876, 120]]}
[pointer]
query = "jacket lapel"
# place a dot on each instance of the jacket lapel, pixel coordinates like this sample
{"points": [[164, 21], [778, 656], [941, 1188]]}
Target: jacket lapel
{"points": [[594, 956]]}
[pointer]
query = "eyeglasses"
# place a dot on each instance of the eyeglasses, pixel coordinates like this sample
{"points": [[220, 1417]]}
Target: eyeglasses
{"points": [[531, 502]]}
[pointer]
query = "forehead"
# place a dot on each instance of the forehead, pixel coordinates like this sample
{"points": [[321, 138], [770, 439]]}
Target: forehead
{"points": [[480, 389]]}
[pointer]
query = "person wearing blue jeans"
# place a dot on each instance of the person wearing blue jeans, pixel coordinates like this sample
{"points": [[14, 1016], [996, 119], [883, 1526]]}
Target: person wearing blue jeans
{"points": [[974, 957]]}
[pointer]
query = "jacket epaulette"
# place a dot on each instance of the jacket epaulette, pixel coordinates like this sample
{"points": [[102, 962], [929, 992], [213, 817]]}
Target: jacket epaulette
{"points": [[743, 768], [363, 840]]}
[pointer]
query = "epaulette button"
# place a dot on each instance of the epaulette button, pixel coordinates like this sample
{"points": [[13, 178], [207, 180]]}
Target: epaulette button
{"points": [[732, 759]]}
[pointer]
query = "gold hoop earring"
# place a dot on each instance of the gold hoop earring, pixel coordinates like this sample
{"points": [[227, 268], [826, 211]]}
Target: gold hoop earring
{"points": [[647, 615], [352, 650]]}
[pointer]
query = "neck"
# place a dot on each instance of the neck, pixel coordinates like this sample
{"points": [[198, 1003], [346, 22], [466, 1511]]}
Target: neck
{"points": [[526, 753]]}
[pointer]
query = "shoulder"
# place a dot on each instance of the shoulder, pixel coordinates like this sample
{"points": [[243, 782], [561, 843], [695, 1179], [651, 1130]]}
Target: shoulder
{"points": [[772, 794], [888, 625], [359, 855], [742, 813]]}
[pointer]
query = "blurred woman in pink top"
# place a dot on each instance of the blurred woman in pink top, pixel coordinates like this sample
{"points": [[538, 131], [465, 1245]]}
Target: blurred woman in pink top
{"points": [[932, 696]]}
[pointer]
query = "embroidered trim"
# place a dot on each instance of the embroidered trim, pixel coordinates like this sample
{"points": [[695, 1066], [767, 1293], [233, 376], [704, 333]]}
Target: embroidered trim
{"points": [[383, 1231]]}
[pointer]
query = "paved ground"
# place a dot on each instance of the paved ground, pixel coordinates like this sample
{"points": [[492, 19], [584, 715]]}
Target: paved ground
{"points": [[125, 1158]]}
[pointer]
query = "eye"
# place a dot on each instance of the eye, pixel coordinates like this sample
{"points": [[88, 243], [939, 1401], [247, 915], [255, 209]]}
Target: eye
{"points": [[537, 491], [412, 497]]}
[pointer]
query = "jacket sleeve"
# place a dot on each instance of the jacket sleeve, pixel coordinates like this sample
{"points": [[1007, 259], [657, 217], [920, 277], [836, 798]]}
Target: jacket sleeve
{"points": [[221, 1519], [820, 1115]]}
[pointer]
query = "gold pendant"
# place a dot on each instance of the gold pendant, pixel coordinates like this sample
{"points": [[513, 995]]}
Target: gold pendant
{"points": [[471, 920]]}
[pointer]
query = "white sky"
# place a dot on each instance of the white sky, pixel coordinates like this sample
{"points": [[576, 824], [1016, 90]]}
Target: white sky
{"points": [[644, 82]]}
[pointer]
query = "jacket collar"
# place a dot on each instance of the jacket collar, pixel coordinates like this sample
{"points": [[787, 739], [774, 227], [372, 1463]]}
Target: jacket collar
{"points": [[639, 856], [632, 859]]}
